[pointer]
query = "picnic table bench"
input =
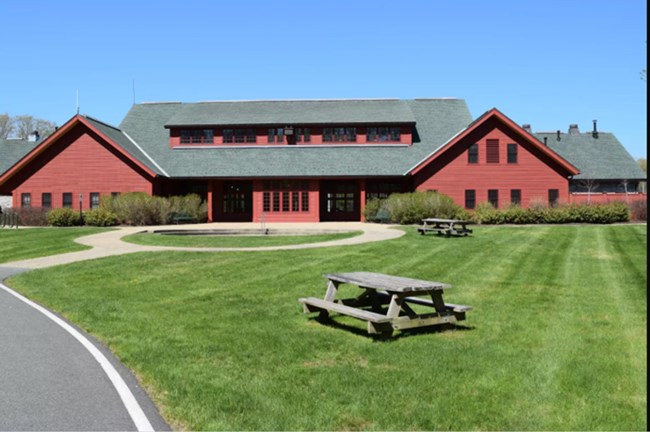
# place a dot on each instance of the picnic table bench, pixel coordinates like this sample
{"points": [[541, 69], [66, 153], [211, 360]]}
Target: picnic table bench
{"points": [[385, 302], [447, 227]]}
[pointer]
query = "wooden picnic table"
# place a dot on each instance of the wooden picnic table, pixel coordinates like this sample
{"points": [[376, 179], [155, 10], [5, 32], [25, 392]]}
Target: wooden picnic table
{"points": [[385, 302], [447, 227]]}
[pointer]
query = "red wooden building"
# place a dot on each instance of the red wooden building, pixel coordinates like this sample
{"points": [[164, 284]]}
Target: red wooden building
{"points": [[308, 160]]}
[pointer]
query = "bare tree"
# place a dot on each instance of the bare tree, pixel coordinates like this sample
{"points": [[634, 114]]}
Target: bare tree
{"points": [[590, 185], [643, 163], [6, 126], [26, 125]]}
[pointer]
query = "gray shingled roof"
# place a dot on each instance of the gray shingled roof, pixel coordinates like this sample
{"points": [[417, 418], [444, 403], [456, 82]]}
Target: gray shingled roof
{"points": [[119, 138], [296, 112], [596, 158], [11, 151], [437, 120]]}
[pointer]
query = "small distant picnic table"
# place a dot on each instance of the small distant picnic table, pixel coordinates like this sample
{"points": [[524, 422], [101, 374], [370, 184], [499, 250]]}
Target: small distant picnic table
{"points": [[447, 227], [385, 302]]}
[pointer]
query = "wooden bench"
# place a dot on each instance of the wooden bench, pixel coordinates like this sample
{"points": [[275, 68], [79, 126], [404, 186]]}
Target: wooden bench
{"points": [[177, 218], [446, 227], [375, 320]]}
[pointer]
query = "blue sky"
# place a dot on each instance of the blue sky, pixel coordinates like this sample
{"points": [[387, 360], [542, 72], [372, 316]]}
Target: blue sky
{"points": [[548, 63]]}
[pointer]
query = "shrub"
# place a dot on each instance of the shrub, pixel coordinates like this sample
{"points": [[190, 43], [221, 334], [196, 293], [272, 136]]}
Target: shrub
{"points": [[63, 217], [138, 208], [411, 208], [100, 217], [30, 216], [639, 210], [191, 205]]}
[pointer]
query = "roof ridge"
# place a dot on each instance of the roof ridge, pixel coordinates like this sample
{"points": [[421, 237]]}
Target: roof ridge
{"points": [[103, 123]]}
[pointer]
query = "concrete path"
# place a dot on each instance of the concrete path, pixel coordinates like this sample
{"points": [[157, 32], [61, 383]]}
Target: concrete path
{"points": [[53, 376]]}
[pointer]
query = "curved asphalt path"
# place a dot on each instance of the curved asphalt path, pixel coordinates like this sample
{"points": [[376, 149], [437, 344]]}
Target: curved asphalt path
{"points": [[50, 380]]}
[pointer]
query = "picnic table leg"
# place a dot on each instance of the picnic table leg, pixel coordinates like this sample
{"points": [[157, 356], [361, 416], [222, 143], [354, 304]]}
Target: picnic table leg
{"points": [[395, 306], [332, 288], [438, 302]]}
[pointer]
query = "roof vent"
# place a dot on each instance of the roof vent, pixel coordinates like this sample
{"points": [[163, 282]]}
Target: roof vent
{"points": [[527, 128], [573, 129], [558, 135], [595, 132], [545, 141]]}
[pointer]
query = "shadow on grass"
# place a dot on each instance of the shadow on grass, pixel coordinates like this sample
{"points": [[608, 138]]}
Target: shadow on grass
{"points": [[400, 334]]}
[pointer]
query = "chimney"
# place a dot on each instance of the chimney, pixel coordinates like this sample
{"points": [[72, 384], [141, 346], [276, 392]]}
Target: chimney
{"points": [[545, 141], [33, 137], [558, 135], [573, 129], [527, 128], [595, 132]]}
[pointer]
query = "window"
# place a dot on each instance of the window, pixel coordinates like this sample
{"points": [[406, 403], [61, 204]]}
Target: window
{"points": [[492, 151], [512, 153], [285, 196], [239, 136], [493, 197], [276, 136], [472, 154], [470, 198], [340, 134], [94, 200], [381, 189], [67, 199], [46, 200], [115, 194], [197, 136], [553, 197], [303, 135], [515, 196], [26, 200], [383, 134]]}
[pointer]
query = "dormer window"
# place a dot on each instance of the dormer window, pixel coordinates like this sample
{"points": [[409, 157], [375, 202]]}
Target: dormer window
{"points": [[383, 134], [239, 136], [339, 134], [197, 136]]}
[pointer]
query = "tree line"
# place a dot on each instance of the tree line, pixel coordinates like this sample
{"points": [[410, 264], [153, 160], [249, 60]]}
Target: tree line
{"points": [[21, 126]]}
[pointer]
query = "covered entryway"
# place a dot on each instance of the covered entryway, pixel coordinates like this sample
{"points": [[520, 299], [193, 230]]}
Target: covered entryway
{"points": [[339, 201]]}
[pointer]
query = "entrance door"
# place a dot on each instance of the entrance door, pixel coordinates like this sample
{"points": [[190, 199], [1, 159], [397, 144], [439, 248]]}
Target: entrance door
{"points": [[237, 205], [339, 201]]}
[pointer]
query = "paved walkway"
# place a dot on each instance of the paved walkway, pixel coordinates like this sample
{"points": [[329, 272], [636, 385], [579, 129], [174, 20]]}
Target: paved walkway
{"points": [[56, 377]]}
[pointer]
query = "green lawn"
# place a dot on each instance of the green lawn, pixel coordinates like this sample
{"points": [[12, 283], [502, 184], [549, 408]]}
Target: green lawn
{"points": [[556, 341], [20, 244], [233, 241]]}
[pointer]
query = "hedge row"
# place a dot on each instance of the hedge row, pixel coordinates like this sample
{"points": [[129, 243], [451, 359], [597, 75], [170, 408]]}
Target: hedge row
{"points": [[411, 208], [128, 209], [570, 213]]}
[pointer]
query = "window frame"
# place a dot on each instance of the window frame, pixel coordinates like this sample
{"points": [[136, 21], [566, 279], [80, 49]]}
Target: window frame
{"points": [[513, 156], [493, 197], [470, 199], [46, 203], [94, 200], [65, 195], [553, 197], [472, 154], [515, 196], [25, 200]]}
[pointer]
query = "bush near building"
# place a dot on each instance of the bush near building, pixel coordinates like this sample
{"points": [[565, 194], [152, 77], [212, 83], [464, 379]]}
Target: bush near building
{"points": [[411, 208]]}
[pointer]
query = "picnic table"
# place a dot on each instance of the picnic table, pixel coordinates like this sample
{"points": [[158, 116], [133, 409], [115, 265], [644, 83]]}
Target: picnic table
{"points": [[385, 302], [447, 227]]}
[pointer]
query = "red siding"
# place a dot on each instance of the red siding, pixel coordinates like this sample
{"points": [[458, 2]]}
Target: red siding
{"points": [[533, 173], [79, 163]]}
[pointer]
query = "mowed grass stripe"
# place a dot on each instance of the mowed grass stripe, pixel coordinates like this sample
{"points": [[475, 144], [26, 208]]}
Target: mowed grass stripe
{"points": [[222, 342]]}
